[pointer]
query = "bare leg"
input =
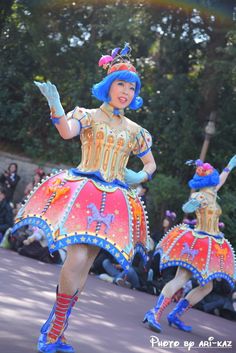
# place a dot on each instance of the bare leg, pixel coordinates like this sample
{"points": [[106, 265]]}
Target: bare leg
{"points": [[75, 270], [198, 293], [186, 303], [153, 316], [181, 277]]}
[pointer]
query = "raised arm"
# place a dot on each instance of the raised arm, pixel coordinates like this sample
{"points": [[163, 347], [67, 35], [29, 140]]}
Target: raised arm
{"points": [[149, 167], [225, 173], [66, 128]]}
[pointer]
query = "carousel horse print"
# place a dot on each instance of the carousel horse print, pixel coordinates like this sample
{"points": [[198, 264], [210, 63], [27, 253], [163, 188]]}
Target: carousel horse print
{"points": [[191, 252], [98, 216]]}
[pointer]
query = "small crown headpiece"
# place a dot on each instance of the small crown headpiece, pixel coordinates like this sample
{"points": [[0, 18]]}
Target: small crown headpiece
{"points": [[119, 60], [202, 169]]}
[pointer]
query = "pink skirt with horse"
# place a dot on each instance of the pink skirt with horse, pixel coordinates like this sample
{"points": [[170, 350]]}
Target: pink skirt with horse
{"points": [[82, 210], [206, 256]]}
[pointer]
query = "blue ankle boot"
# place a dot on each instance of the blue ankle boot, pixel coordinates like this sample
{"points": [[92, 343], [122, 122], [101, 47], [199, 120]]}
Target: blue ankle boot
{"points": [[60, 346], [174, 316], [153, 316], [57, 345]]}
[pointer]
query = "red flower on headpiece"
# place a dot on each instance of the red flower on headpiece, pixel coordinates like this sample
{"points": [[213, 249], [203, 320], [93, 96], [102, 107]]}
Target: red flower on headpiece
{"points": [[204, 169]]}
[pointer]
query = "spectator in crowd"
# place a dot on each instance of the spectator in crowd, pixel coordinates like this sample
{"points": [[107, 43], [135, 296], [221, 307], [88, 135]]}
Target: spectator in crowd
{"points": [[114, 273], [35, 246], [15, 241], [37, 178], [142, 190], [97, 267], [220, 301], [6, 215], [9, 179], [167, 223]]}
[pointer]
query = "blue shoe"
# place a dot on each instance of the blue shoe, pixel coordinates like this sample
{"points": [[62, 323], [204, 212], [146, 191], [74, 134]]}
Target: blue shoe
{"points": [[44, 346], [153, 324], [153, 316], [174, 316], [147, 315], [64, 347], [60, 346]]}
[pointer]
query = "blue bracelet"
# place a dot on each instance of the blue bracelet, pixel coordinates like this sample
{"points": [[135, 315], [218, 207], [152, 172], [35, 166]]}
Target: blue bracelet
{"points": [[55, 120], [227, 170], [149, 176]]}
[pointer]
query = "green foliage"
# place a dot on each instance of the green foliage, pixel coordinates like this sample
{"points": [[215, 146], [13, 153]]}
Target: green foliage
{"points": [[167, 193]]}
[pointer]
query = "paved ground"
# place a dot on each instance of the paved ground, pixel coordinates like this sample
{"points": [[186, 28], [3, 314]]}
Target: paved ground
{"points": [[107, 319]]}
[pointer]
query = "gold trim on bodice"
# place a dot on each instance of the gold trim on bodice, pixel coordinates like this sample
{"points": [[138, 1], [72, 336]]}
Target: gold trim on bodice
{"points": [[209, 213], [107, 144]]}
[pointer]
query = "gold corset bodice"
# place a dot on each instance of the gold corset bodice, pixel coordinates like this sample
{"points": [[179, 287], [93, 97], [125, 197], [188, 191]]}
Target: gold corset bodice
{"points": [[209, 213], [105, 150], [107, 142]]}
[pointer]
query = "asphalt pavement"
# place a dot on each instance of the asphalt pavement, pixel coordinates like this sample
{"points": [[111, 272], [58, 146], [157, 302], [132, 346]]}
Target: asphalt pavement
{"points": [[107, 318]]}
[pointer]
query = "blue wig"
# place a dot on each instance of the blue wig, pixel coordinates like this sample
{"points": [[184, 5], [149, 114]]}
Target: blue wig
{"points": [[199, 182], [101, 90]]}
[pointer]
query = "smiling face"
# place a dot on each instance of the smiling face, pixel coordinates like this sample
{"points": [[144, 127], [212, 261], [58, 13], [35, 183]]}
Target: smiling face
{"points": [[121, 93]]}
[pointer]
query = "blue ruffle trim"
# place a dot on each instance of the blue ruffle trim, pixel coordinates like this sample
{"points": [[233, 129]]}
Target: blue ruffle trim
{"points": [[97, 176], [81, 239], [216, 236]]}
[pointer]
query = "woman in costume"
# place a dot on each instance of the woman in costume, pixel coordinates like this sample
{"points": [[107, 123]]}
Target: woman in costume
{"points": [[91, 206], [202, 252]]}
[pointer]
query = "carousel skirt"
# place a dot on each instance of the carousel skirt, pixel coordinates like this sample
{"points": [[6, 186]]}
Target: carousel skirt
{"points": [[77, 209], [206, 256]]}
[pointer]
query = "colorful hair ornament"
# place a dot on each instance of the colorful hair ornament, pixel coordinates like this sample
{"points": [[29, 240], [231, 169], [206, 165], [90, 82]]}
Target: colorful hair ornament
{"points": [[105, 60], [205, 175], [198, 162], [202, 169], [190, 162], [126, 50], [118, 60], [115, 52]]}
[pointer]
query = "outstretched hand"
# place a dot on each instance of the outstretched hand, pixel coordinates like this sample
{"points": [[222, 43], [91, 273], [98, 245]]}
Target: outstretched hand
{"points": [[50, 92], [232, 163]]}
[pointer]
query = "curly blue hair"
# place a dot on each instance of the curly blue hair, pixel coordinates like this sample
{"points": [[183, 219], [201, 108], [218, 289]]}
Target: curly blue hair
{"points": [[101, 90], [199, 182]]}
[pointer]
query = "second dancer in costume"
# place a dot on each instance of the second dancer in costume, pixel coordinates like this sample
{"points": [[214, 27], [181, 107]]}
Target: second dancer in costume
{"points": [[91, 206], [202, 252]]}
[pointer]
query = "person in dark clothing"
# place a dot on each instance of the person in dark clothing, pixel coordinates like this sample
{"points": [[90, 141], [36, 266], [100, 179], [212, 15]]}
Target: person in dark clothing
{"points": [[97, 267], [6, 214], [142, 191], [9, 179], [220, 301], [35, 246], [168, 222]]}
